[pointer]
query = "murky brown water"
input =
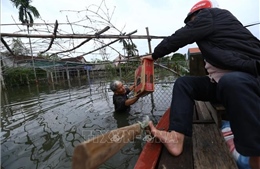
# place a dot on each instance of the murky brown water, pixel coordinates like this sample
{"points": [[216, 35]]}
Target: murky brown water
{"points": [[40, 126]]}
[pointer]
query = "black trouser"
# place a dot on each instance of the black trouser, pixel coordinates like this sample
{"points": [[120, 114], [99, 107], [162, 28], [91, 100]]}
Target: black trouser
{"points": [[240, 94]]}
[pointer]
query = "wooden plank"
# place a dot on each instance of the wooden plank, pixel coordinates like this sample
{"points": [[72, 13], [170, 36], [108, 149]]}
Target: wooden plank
{"points": [[195, 114], [214, 113], [203, 112], [183, 161], [219, 107], [210, 149], [152, 150]]}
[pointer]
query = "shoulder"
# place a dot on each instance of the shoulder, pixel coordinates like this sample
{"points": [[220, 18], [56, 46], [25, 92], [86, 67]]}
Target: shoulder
{"points": [[216, 12], [119, 98]]}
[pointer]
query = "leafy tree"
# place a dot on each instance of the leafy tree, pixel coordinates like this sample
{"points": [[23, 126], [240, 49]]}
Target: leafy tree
{"points": [[130, 47], [25, 16], [180, 64], [53, 57], [178, 57], [26, 11]]}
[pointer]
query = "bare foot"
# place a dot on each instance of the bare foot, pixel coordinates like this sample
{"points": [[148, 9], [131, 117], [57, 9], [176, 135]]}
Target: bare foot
{"points": [[254, 162], [173, 140]]}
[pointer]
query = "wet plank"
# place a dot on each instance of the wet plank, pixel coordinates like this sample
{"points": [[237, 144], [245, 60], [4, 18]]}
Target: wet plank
{"points": [[184, 161], [210, 149], [203, 112], [215, 112]]}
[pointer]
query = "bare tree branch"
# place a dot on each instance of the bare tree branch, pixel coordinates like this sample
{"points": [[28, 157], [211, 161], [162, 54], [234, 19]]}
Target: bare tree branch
{"points": [[108, 44], [85, 41], [54, 36], [62, 39], [7, 47]]}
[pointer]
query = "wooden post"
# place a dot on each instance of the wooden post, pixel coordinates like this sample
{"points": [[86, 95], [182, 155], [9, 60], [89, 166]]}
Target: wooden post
{"points": [[68, 75], [2, 82], [150, 51], [48, 77], [63, 76], [34, 71], [78, 75], [51, 77], [55, 73], [27, 79], [88, 68], [120, 73]]}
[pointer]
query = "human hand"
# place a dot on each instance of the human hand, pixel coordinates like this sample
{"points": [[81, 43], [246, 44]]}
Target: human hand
{"points": [[132, 87], [146, 57], [137, 97]]}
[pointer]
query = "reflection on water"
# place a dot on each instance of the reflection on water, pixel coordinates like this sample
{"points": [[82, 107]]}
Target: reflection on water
{"points": [[40, 126]]}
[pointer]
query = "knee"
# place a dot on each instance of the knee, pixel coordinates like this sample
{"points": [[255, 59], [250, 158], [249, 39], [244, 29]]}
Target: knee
{"points": [[180, 80], [233, 81]]}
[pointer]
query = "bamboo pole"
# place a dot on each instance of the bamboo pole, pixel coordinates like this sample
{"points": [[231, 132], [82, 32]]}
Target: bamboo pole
{"points": [[81, 36], [34, 71], [2, 82], [150, 51]]}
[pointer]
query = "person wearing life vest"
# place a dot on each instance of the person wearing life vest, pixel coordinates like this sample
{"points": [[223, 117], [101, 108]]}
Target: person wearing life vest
{"points": [[232, 59]]}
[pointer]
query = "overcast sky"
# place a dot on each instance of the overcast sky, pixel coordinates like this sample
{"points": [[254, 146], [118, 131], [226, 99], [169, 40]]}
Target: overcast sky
{"points": [[161, 17]]}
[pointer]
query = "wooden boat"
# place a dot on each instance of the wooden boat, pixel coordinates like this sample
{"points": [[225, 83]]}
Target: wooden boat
{"points": [[151, 151], [205, 149]]}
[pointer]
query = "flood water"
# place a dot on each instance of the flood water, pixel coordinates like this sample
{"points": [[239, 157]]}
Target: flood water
{"points": [[41, 125]]}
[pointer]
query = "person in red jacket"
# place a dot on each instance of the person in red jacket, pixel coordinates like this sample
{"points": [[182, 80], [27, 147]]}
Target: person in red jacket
{"points": [[232, 59]]}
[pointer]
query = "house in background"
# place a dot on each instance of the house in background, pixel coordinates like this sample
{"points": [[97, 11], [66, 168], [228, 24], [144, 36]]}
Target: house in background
{"points": [[79, 59], [196, 62], [9, 60]]}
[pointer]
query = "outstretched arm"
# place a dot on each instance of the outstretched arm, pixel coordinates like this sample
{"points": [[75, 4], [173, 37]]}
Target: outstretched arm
{"points": [[131, 101], [132, 87]]}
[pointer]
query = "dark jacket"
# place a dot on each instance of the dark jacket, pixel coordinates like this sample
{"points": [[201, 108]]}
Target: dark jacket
{"points": [[119, 101], [223, 41]]}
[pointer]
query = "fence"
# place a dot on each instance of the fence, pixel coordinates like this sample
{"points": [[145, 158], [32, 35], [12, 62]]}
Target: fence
{"points": [[90, 73]]}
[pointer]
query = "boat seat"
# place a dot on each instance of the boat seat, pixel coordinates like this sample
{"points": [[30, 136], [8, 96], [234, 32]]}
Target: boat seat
{"points": [[207, 147]]}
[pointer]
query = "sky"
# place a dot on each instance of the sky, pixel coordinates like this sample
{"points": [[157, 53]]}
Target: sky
{"points": [[162, 18]]}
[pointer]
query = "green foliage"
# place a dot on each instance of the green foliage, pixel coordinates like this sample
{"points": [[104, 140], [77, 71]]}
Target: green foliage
{"points": [[26, 11], [19, 76], [176, 62], [110, 71], [179, 63], [45, 56], [54, 57], [127, 71], [178, 57], [129, 47]]}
